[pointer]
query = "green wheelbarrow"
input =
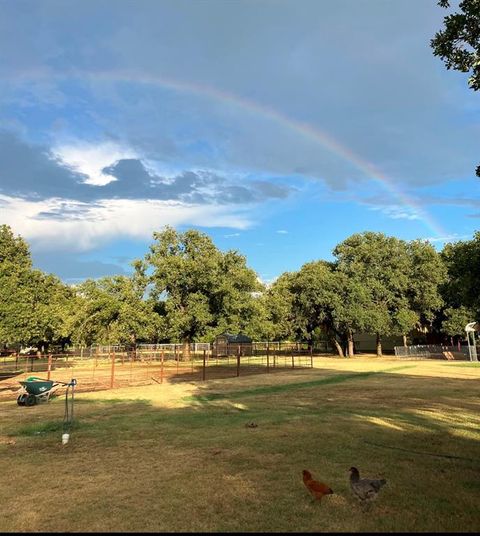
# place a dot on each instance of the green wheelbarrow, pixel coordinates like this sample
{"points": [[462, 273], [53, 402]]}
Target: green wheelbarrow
{"points": [[35, 390]]}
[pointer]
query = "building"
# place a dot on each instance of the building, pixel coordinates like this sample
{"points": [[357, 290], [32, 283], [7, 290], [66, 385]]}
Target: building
{"points": [[229, 344]]}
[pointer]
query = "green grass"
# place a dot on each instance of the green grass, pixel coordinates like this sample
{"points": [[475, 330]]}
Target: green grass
{"points": [[290, 386], [174, 458], [470, 364]]}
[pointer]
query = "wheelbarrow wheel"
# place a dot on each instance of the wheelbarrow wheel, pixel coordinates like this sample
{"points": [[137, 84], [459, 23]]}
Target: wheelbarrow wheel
{"points": [[30, 400], [21, 399]]}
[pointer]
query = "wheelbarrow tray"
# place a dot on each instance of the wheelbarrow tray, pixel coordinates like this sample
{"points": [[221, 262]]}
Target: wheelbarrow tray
{"points": [[37, 386], [35, 390]]}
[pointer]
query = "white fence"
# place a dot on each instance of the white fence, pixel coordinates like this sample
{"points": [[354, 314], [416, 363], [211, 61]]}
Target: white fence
{"points": [[433, 351]]}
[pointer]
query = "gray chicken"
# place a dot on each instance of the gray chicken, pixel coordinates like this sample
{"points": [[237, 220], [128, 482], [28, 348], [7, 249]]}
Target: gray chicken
{"points": [[365, 489]]}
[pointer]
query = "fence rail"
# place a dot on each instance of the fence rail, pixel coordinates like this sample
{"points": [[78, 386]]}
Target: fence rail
{"points": [[115, 366], [433, 351]]}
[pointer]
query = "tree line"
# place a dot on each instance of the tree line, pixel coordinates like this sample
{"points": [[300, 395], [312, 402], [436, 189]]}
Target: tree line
{"points": [[185, 290]]}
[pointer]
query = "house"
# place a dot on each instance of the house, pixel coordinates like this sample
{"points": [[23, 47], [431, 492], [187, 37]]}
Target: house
{"points": [[229, 344]]}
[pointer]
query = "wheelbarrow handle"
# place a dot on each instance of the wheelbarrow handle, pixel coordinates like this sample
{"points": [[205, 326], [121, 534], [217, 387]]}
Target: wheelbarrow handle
{"points": [[71, 383]]}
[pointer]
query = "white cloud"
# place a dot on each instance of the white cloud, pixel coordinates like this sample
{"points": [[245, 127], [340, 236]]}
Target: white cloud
{"points": [[231, 235], [90, 158], [398, 212], [282, 231], [449, 238], [73, 226]]}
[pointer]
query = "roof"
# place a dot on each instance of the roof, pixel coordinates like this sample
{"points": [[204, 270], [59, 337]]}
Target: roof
{"points": [[235, 338]]}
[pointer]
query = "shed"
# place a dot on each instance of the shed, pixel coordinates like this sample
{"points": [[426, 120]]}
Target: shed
{"points": [[230, 344]]}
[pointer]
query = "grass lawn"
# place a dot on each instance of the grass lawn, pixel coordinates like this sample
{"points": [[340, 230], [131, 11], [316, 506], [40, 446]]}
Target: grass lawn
{"points": [[179, 457]]}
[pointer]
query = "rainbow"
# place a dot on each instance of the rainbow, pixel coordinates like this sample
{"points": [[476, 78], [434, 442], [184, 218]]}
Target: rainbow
{"points": [[303, 129]]}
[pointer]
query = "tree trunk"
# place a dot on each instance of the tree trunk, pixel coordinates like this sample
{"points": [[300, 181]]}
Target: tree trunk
{"points": [[404, 340], [351, 349], [379, 345], [186, 350], [338, 347]]}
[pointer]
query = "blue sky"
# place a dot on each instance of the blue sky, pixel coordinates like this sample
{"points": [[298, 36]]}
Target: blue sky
{"points": [[278, 127]]}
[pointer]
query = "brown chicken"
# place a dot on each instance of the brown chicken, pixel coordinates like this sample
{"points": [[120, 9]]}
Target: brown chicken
{"points": [[317, 489]]}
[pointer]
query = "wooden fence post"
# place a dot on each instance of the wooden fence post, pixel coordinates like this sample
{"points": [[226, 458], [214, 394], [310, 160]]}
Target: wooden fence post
{"points": [[49, 369], [132, 359], [161, 367], [112, 375]]}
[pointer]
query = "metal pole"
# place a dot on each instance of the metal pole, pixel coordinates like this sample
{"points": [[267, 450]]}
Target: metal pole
{"points": [[238, 361], [268, 358], [474, 347], [203, 369]]}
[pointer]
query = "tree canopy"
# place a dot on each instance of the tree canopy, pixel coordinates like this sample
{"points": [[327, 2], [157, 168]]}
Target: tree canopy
{"points": [[33, 305], [200, 290], [458, 43], [186, 290]]}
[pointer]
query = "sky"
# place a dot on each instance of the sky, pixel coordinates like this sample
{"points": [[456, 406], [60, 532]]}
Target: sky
{"points": [[277, 127]]}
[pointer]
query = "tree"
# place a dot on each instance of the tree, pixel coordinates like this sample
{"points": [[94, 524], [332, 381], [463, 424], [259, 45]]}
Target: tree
{"points": [[33, 305], [456, 318], [17, 317], [278, 303], [458, 44], [50, 302], [201, 290], [380, 265], [316, 304], [350, 313], [113, 310], [461, 290], [427, 273]]}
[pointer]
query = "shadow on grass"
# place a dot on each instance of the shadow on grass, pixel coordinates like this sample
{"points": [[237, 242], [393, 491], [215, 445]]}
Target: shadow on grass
{"points": [[418, 432]]}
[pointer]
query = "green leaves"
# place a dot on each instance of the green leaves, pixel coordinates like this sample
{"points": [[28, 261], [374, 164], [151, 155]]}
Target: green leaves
{"points": [[204, 291], [461, 290], [33, 305], [113, 310], [186, 289], [458, 44], [378, 284]]}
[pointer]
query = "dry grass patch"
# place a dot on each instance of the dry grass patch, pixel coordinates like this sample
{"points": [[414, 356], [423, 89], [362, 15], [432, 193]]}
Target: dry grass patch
{"points": [[178, 457]]}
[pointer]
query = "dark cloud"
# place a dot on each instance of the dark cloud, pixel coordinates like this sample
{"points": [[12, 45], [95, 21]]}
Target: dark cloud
{"points": [[363, 72], [30, 172], [135, 182], [69, 211]]}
